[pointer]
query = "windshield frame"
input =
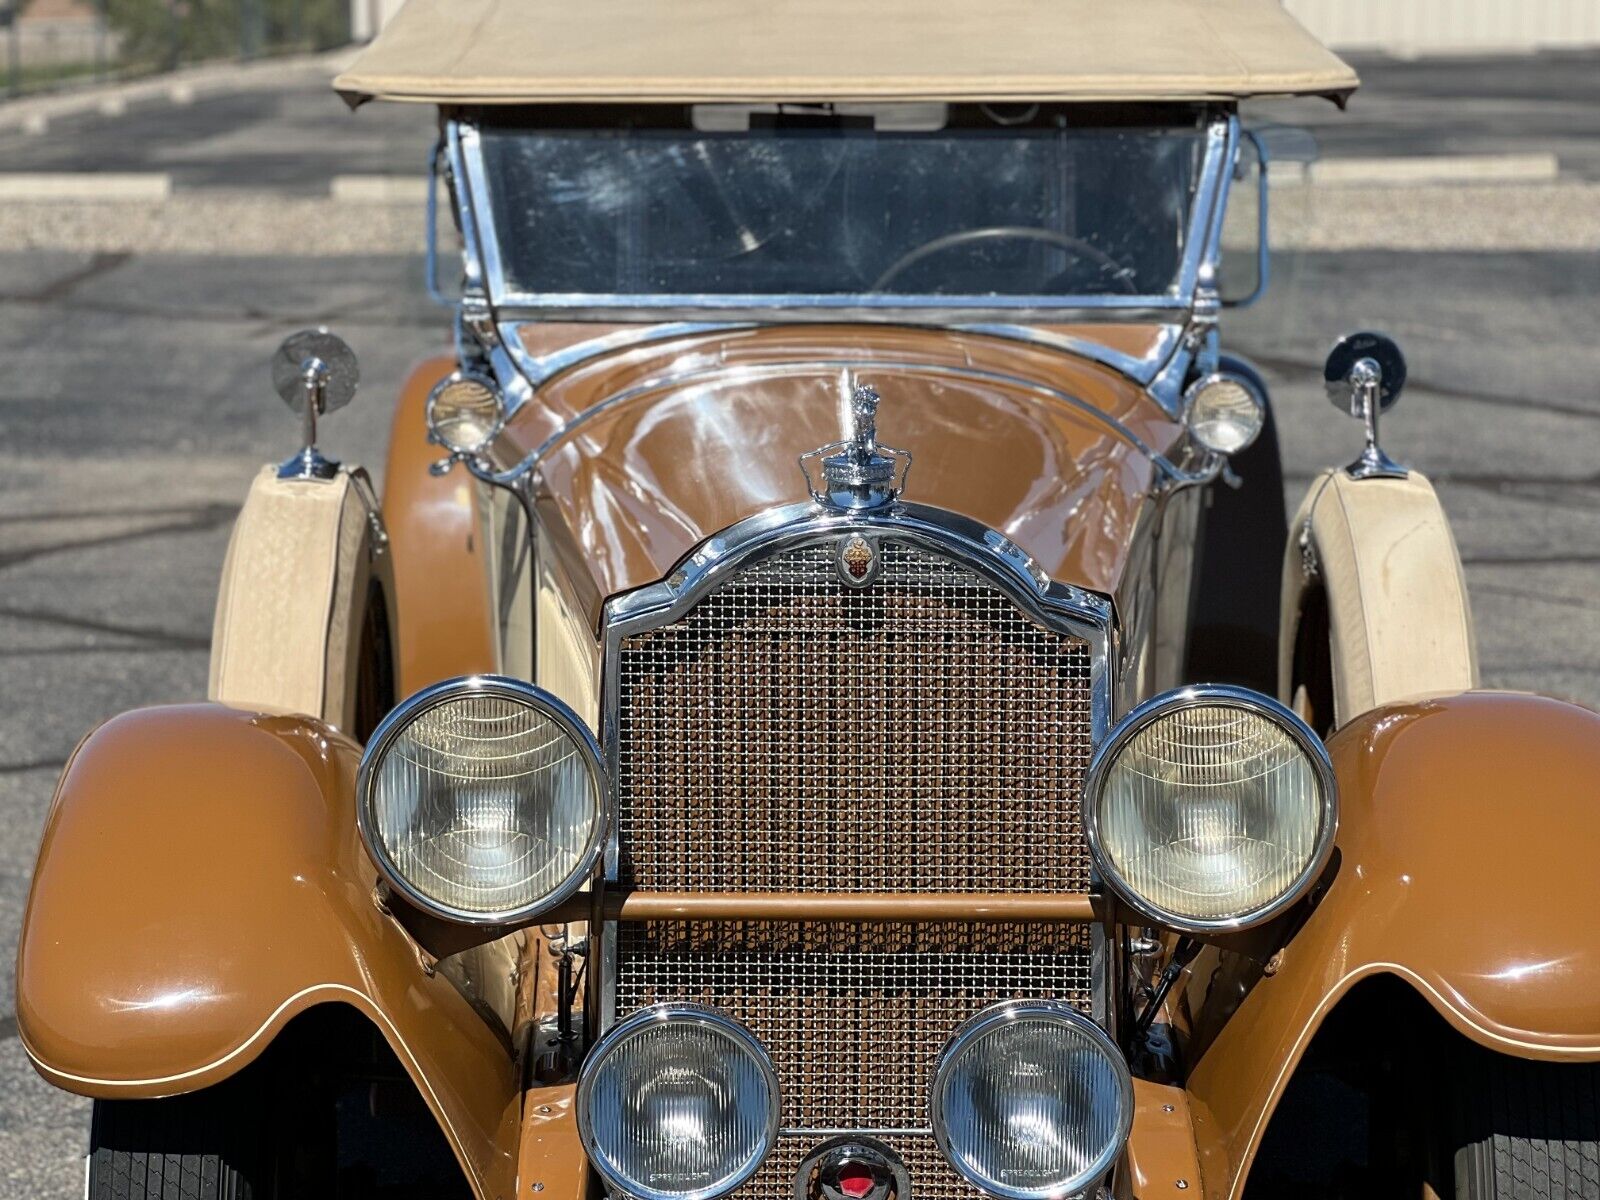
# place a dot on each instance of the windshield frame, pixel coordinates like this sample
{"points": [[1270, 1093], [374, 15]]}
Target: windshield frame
{"points": [[485, 266]]}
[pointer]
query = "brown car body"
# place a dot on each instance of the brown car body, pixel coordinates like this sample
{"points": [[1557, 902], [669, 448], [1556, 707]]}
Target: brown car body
{"points": [[202, 883]]}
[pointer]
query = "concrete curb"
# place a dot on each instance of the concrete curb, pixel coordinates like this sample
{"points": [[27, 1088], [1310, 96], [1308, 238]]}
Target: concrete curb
{"points": [[33, 114]]}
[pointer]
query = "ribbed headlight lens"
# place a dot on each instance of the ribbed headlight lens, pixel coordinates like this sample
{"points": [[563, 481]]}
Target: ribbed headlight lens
{"points": [[1211, 808], [1031, 1100], [465, 412], [1224, 413], [482, 799], [678, 1102]]}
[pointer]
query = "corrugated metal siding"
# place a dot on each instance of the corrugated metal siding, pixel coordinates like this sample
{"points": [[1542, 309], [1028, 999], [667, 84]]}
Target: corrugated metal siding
{"points": [[1430, 26]]}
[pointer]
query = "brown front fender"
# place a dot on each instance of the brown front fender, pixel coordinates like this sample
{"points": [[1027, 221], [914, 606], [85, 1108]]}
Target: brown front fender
{"points": [[199, 884], [1469, 835]]}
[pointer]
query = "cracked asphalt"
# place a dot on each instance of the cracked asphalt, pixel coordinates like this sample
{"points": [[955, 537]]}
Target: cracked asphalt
{"points": [[135, 406]]}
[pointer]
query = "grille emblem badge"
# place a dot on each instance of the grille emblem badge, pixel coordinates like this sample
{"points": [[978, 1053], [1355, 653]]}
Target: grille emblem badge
{"points": [[857, 560]]}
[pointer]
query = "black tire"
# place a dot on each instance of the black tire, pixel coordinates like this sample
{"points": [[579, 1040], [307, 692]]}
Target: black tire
{"points": [[206, 1146], [1233, 614], [1524, 1130]]}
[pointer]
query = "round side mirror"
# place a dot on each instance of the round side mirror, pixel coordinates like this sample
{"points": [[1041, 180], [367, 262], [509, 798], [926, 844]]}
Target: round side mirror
{"points": [[1343, 375], [320, 358]]}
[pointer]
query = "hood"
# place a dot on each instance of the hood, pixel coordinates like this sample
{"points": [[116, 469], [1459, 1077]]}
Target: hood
{"points": [[687, 436]]}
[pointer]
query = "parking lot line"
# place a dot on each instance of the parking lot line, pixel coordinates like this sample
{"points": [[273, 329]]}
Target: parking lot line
{"points": [[85, 185], [1420, 169], [379, 189]]}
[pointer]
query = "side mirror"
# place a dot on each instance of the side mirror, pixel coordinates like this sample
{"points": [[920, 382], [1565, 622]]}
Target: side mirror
{"points": [[1363, 377], [315, 373]]}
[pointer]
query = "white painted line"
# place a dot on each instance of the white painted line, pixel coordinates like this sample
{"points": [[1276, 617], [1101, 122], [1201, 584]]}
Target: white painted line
{"points": [[112, 106], [379, 189], [35, 124], [181, 93], [1419, 169], [98, 185]]}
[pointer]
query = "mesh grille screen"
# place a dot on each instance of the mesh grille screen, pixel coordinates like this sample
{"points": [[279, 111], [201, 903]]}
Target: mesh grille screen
{"points": [[794, 734], [853, 1014]]}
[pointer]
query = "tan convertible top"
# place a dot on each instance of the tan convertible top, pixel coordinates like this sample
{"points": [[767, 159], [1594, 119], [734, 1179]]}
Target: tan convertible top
{"points": [[680, 51]]}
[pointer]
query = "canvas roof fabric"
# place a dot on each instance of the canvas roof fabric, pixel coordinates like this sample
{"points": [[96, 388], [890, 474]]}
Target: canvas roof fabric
{"points": [[817, 51]]}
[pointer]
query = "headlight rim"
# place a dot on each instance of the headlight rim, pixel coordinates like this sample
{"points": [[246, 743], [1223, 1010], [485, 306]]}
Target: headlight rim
{"points": [[415, 705], [1191, 396], [466, 375], [698, 1014], [1007, 1010], [1195, 696]]}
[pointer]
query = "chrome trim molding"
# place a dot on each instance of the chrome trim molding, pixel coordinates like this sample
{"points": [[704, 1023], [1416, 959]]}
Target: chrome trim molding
{"points": [[541, 367], [1050, 1010], [402, 715], [1178, 700], [685, 1013], [1142, 369], [681, 378]]}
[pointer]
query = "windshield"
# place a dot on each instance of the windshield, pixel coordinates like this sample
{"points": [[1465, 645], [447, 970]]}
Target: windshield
{"points": [[686, 216]]}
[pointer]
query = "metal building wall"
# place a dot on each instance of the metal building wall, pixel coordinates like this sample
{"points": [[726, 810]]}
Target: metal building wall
{"points": [[1450, 26]]}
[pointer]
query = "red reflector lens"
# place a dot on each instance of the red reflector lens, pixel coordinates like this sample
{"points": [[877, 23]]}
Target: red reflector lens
{"points": [[855, 1181]]}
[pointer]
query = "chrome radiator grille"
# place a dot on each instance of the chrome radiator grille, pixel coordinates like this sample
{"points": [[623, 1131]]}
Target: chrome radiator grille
{"points": [[792, 734]]}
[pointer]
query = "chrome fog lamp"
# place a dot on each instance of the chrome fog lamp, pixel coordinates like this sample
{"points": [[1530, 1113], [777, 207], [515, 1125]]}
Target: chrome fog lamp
{"points": [[1210, 808], [465, 412], [1032, 1101], [483, 800], [677, 1102], [1224, 413]]}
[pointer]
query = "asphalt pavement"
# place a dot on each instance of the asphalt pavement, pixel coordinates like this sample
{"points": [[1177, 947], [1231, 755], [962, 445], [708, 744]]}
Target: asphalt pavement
{"points": [[135, 405]]}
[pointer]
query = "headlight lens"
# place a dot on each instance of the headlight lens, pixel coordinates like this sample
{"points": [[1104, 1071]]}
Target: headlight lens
{"points": [[465, 412], [482, 799], [678, 1102], [1211, 808], [1224, 413], [1031, 1100]]}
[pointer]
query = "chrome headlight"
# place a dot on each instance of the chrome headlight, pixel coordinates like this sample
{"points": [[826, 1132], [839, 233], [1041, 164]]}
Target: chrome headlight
{"points": [[483, 800], [1031, 1101], [1224, 413], [1210, 808], [677, 1102]]}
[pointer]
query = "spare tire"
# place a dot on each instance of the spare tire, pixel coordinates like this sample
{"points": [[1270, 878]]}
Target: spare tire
{"points": [[1524, 1130]]}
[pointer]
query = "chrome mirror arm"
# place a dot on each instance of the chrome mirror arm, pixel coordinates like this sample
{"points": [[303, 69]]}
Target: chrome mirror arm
{"points": [[1366, 377]]}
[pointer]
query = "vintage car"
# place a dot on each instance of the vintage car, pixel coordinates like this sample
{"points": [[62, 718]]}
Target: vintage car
{"points": [[672, 790]]}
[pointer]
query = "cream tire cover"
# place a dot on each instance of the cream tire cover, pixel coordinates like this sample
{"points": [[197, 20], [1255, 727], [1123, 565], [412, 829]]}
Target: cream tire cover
{"points": [[1400, 623], [290, 609]]}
